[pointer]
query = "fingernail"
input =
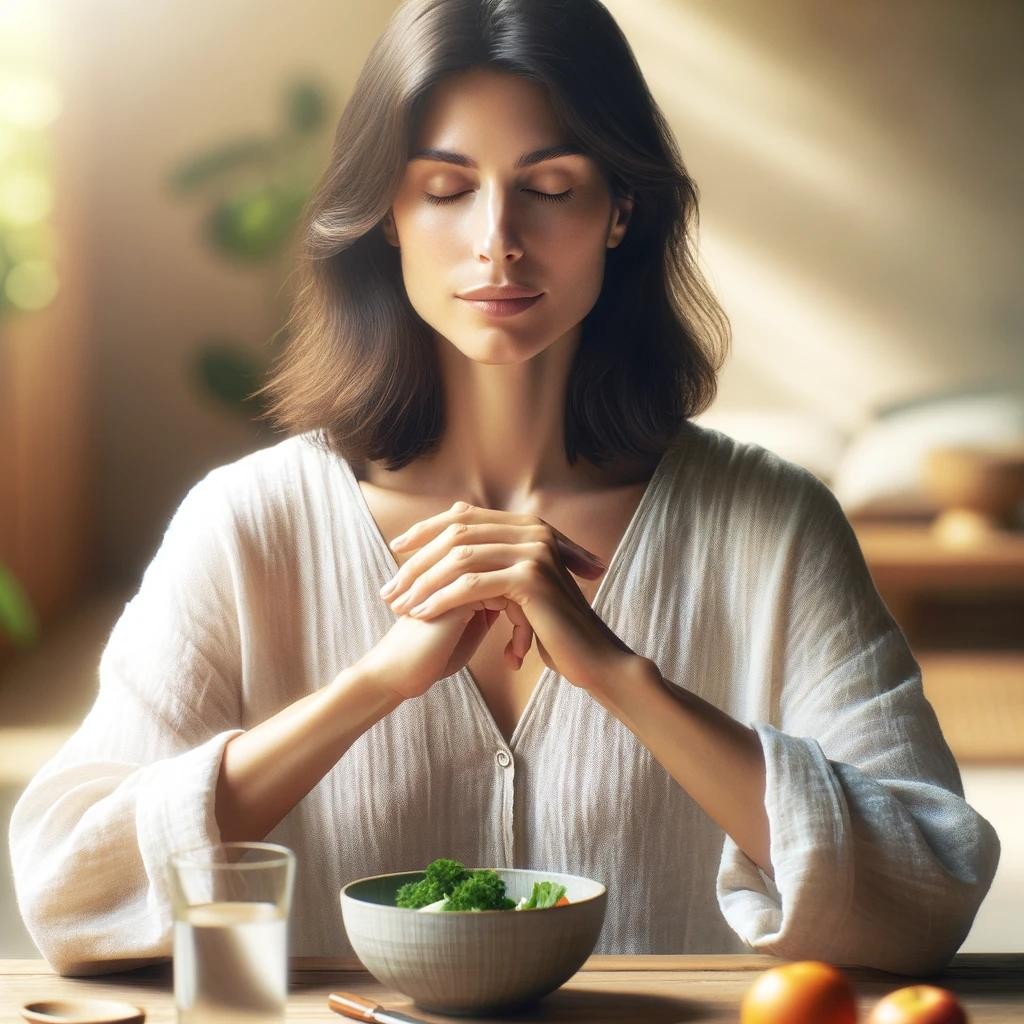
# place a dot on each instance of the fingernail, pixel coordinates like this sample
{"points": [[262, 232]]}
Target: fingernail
{"points": [[387, 588], [398, 541]]}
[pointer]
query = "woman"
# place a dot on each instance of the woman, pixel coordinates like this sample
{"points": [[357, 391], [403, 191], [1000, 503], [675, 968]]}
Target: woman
{"points": [[500, 340]]}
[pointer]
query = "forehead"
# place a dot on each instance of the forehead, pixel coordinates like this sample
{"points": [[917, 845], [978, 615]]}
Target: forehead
{"points": [[485, 109]]}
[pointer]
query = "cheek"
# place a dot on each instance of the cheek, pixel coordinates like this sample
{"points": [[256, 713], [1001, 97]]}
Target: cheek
{"points": [[571, 262], [564, 253]]}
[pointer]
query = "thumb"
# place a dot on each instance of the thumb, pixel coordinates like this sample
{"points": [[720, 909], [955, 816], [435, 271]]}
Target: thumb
{"points": [[473, 634]]}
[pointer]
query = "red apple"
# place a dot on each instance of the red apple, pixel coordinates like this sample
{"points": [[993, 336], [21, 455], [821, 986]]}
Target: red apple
{"points": [[919, 1004]]}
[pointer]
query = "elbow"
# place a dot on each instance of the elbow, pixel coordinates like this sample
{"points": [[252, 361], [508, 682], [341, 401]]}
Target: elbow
{"points": [[82, 943], [80, 925], [934, 927]]}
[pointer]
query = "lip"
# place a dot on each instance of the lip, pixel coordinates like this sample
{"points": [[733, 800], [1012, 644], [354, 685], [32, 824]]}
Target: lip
{"points": [[503, 307], [499, 291]]}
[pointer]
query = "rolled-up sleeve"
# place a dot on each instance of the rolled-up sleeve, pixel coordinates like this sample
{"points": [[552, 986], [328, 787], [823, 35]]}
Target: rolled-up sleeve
{"points": [[91, 834], [877, 858]]}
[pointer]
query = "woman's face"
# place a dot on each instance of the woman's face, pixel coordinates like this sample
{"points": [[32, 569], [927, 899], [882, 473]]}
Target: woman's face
{"points": [[543, 225]]}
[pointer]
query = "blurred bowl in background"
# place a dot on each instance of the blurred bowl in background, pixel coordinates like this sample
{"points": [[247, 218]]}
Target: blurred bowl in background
{"points": [[473, 962], [978, 489]]}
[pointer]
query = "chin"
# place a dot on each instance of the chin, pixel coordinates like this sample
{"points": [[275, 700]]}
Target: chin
{"points": [[498, 347]]}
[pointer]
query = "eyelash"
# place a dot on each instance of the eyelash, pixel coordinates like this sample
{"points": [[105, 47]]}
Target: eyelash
{"points": [[549, 197]]}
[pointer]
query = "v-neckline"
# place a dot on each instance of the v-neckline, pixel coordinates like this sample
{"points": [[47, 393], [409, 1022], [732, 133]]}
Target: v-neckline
{"points": [[612, 570]]}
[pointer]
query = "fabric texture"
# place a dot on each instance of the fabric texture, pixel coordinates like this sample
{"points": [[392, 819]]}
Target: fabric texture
{"points": [[739, 576]]}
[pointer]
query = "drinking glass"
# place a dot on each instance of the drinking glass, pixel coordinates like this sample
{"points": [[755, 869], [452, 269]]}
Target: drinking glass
{"points": [[230, 906]]}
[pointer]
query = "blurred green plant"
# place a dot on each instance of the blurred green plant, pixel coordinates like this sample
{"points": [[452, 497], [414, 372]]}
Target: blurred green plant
{"points": [[17, 619], [30, 101], [256, 189]]}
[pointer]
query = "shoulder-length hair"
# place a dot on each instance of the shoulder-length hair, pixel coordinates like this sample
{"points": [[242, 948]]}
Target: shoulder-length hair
{"points": [[359, 367]]}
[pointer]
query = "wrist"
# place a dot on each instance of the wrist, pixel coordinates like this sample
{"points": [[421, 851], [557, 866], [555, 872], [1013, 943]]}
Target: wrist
{"points": [[625, 681], [361, 684]]}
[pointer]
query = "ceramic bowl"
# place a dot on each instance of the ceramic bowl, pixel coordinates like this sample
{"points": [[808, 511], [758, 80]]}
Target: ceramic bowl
{"points": [[469, 962], [978, 489]]}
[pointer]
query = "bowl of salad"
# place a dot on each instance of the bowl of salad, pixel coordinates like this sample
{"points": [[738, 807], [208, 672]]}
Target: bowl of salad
{"points": [[462, 940]]}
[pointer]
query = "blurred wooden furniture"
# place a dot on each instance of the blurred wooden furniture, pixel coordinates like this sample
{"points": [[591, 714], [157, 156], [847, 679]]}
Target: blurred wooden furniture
{"points": [[962, 610], [606, 988]]}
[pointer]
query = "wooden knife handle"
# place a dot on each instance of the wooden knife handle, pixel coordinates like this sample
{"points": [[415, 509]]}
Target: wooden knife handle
{"points": [[348, 1004]]}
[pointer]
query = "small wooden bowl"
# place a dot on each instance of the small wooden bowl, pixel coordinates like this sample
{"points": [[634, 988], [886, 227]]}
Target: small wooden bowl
{"points": [[978, 489], [82, 1011]]}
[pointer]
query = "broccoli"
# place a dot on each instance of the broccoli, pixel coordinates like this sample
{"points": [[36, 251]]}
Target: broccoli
{"points": [[483, 890], [449, 885], [443, 877]]}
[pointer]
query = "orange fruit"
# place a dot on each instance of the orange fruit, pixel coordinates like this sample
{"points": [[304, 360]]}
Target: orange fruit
{"points": [[919, 1004], [803, 992]]}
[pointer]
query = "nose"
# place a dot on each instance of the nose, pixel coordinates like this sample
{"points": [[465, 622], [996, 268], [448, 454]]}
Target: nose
{"points": [[496, 240]]}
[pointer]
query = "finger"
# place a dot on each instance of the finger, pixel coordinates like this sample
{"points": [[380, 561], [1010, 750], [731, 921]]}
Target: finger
{"points": [[579, 554], [522, 630], [432, 551], [453, 541], [511, 582], [460, 561], [426, 530], [472, 636], [455, 535], [512, 658], [517, 648], [522, 640]]}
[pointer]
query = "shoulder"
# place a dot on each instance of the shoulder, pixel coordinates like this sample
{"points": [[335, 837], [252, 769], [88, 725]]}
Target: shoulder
{"points": [[292, 470], [255, 503], [298, 457], [773, 523], [743, 483]]}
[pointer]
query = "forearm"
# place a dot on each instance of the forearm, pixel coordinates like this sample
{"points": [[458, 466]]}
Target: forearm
{"points": [[716, 759], [267, 770]]}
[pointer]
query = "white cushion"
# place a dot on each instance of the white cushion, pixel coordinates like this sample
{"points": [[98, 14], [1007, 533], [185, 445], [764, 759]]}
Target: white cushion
{"points": [[881, 470]]}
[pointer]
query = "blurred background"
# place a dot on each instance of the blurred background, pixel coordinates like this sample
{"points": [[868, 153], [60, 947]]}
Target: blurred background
{"points": [[860, 170]]}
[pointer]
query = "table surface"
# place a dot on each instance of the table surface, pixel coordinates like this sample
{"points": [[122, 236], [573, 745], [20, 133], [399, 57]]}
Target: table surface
{"points": [[909, 555], [651, 989]]}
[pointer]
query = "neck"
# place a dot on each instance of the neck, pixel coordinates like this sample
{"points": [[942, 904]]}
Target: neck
{"points": [[503, 445]]}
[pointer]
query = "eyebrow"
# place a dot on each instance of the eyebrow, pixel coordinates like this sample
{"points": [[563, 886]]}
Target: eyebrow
{"points": [[526, 160]]}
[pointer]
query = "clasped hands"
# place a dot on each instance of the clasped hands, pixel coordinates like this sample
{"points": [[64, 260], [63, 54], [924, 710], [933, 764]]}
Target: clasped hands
{"points": [[518, 564]]}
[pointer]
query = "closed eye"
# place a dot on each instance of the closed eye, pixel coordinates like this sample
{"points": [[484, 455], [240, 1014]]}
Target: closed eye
{"points": [[551, 197]]}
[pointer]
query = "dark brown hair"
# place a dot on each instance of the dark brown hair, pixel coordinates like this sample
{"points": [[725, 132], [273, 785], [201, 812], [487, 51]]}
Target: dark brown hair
{"points": [[359, 367]]}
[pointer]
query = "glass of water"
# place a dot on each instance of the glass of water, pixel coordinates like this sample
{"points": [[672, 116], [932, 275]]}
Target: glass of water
{"points": [[230, 905]]}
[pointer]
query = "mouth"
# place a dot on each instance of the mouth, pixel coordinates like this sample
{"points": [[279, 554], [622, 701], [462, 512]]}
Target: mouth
{"points": [[503, 307]]}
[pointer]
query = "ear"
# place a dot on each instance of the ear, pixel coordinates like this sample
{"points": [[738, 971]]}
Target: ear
{"points": [[622, 210], [387, 225]]}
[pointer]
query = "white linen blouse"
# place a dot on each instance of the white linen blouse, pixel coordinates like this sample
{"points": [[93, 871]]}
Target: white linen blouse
{"points": [[739, 576]]}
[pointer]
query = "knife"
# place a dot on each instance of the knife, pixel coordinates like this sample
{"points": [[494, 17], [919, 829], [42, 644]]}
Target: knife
{"points": [[350, 1005]]}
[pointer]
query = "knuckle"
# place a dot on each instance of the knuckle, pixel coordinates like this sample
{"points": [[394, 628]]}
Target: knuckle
{"points": [[460, 506], [541, 549], [462, 551], [470, 580], [531, 571]]}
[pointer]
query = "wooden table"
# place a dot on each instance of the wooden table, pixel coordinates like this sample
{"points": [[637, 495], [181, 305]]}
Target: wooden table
{"points": [[961, 608], [637, 989]]}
